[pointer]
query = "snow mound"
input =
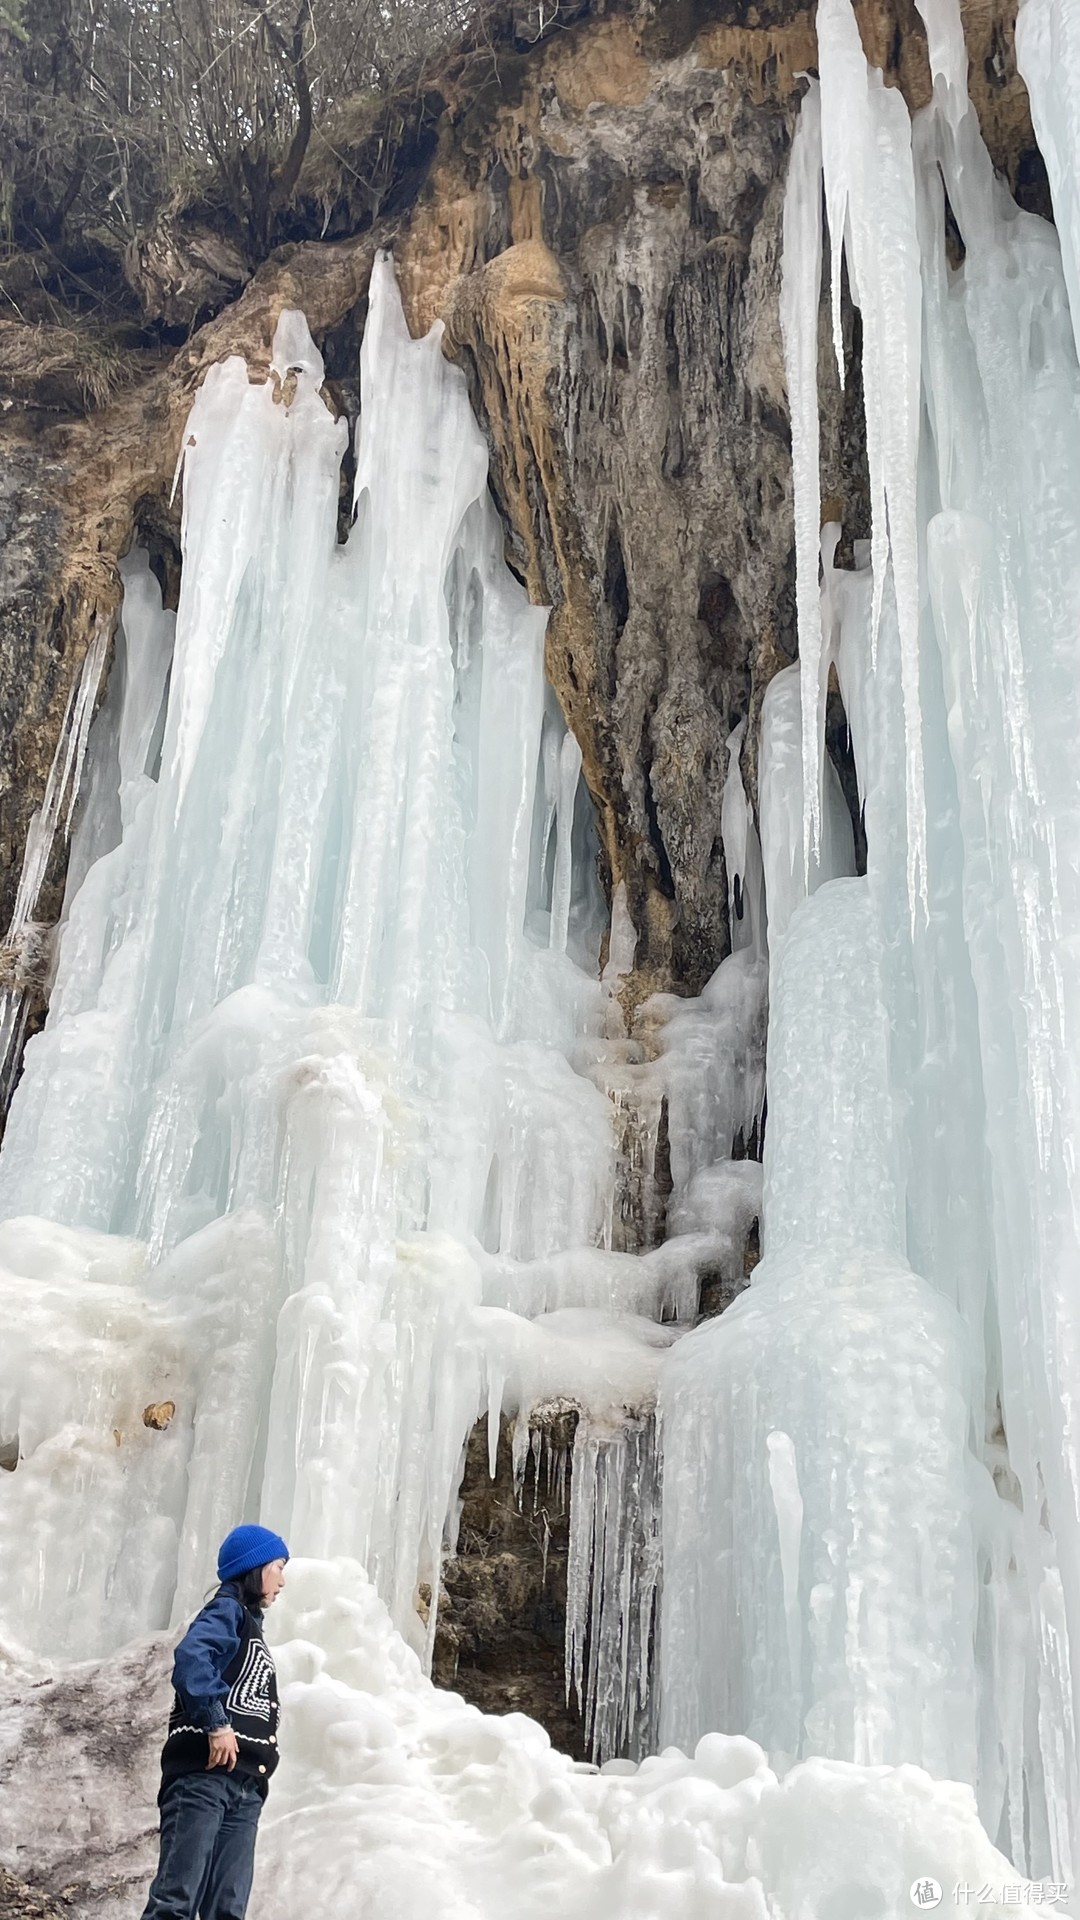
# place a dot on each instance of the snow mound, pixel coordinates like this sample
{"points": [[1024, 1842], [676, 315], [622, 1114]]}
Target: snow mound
{"points": [[396, 1801]]}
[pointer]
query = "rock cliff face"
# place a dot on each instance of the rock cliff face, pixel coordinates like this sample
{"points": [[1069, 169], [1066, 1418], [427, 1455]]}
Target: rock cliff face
{"points": [[78, 1772], [592, 205]]}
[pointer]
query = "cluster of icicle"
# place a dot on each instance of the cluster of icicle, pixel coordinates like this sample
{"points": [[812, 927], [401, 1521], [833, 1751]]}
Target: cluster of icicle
{"points": [[317, 1144], [886, 1566]]}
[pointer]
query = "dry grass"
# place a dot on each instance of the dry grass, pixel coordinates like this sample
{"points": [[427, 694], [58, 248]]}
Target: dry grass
{"points": [[59, 365]]}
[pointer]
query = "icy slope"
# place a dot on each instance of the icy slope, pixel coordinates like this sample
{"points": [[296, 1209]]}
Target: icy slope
{"points": [[395, 1801]]}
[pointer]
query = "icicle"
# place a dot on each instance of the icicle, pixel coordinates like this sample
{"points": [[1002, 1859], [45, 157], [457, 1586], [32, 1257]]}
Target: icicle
{"points": [[496, 1387], [787, 1501], [870, 196], [569, 774], [742, 856], [787, 875], [947, 51], [53, 817], [613, 1583], [800, 299], [1048, 56]]}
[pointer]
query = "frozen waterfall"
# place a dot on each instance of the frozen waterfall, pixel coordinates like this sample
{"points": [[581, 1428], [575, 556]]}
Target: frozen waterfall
{"points": [[330, 948], [317, 1149], [338, 1139], [914, 1592]]}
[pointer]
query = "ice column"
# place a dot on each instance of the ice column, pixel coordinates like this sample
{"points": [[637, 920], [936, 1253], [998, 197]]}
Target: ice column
{"points": [[870, 199], [1003, 554], [800, 293], [1048, 56], [789, 873], [975, 1092], [840, 1621], [307, 1056]]}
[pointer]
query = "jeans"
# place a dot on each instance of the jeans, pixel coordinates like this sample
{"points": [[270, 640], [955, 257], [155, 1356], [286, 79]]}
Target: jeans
{"points": [[208, 1823]]}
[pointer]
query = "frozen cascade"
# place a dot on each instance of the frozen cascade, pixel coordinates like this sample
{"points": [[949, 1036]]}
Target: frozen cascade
{"points": [[829, 1346], [693, 1066], [920, 1231], [304, 1071], [314, 1162], [316, 1149], [1003, 561]]}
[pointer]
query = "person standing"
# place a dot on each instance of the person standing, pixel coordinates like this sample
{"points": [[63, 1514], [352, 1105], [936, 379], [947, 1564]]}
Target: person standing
{"points": [[222, 1741]]}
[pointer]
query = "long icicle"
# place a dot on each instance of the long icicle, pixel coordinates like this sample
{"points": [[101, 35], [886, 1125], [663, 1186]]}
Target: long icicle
{"points": [[870, 198], [800, 297]]}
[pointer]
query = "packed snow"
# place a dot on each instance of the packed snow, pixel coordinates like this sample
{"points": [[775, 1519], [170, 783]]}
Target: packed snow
{"points": [[394, 1799], [346, 1131]]}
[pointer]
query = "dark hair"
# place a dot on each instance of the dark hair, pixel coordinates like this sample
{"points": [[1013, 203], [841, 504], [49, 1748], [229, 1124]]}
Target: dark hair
{"points": [[250, 1585]]}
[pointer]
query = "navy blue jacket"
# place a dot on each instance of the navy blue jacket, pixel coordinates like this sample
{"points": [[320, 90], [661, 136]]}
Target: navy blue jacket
{"points": [[223, 1675]]}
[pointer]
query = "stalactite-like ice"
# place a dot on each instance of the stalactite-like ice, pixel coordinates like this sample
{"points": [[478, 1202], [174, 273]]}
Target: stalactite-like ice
{"points": [[334, 1141], [1048, 56], [613, 1583], [789, 873], [304, 1065], [800, 294], [870, 197], [923, 1107], [860, 1366]]}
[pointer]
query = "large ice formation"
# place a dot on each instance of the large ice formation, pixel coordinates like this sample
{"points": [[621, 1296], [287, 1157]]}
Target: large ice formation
{"points": [[337, 1140], [915, 1593], [395, 1800]]}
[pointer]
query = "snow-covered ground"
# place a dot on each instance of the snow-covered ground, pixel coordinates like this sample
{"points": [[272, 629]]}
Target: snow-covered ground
{"points": [[397, 1801]]}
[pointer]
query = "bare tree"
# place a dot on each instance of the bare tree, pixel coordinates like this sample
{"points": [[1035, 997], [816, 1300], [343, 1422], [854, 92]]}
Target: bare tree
{"points": [[117, 117]]}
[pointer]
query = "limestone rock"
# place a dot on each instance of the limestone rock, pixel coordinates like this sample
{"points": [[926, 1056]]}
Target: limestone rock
{"points": [[502, 1611], [158, 1414], [78, 1779]]}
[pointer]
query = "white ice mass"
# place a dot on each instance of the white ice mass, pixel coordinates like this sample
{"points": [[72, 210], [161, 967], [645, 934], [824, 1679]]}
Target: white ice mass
{"points": [[333, 1129]]}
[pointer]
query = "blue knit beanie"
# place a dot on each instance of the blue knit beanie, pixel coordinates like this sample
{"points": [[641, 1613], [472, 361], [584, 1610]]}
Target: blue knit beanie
{"points": [[248, 1547]]}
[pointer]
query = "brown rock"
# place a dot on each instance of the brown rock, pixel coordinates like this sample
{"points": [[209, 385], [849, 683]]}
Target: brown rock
{"points": [[502, 1610]]}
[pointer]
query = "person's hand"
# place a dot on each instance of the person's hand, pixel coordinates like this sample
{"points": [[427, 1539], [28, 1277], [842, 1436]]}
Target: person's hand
{"points": [[223, 1749]]}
